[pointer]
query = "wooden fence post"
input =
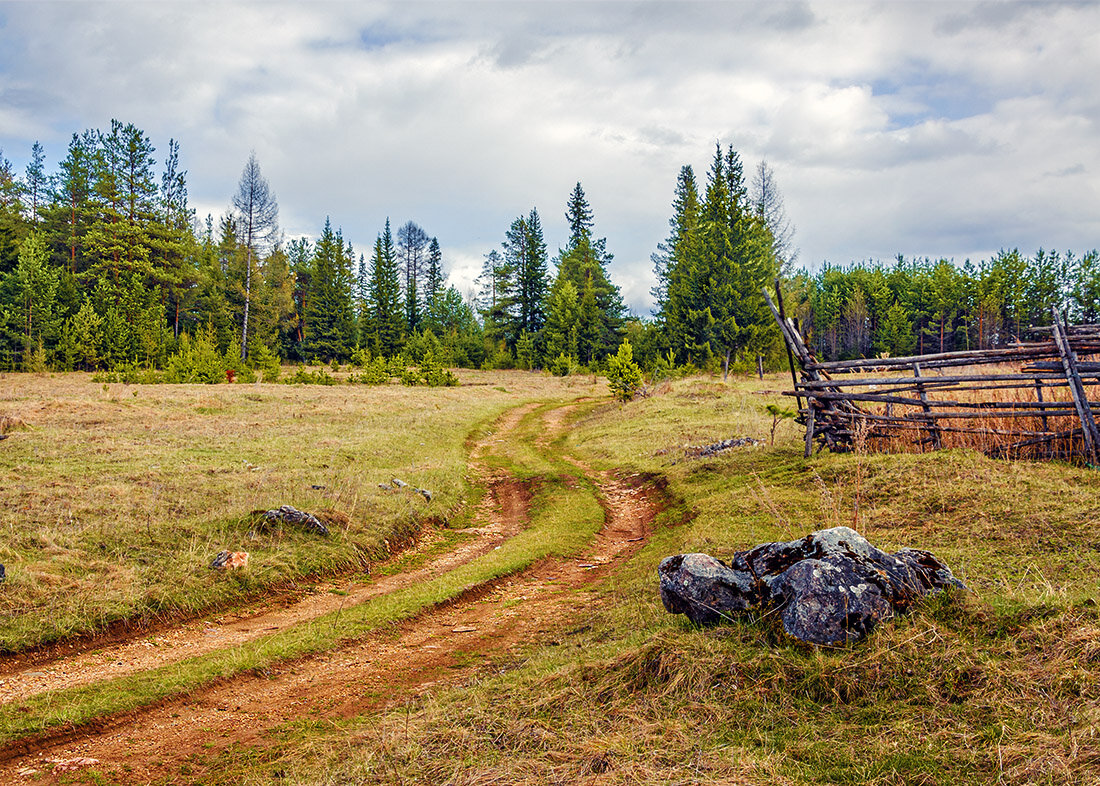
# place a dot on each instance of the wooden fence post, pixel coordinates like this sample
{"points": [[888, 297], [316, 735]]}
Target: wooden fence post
{"points": [[933, 429], [1077, 389]]}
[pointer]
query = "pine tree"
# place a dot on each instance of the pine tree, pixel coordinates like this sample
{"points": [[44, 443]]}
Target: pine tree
{"points": [[12, 226], [74, 192], [36, 185], [173, 239], [36, 292], [126, 192]]}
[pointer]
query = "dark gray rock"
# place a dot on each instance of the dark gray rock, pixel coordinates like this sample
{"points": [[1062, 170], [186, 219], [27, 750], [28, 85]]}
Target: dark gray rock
{"points": [[292, 516], [832, 586], [3, 574], [705, 588], [829, 601]]}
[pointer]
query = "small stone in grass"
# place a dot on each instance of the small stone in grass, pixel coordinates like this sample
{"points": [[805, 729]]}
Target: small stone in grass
{"points": [[226, 560]]}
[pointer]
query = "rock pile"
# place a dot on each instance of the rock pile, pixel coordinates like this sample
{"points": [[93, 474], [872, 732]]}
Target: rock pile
{"points": [[831, 587]]}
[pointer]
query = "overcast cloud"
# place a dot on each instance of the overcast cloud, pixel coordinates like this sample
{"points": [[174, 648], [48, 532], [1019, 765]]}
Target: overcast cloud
{"points": [[929, 129]]}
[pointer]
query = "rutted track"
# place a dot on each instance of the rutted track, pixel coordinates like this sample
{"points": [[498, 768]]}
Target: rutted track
{"points": [[502, 514], [388, 666]]}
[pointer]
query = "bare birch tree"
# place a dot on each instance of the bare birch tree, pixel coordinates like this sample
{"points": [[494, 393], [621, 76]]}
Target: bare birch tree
{"points": [[768, 204], [258, 220]]}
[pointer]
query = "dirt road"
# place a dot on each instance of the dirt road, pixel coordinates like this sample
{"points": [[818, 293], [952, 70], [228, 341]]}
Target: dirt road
{"points": [[170, 741]]}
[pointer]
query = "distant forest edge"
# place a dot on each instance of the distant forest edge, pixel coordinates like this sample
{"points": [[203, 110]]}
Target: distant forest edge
{"points": [[105, 266]]}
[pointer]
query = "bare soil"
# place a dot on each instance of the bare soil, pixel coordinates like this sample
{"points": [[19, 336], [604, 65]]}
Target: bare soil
{"points": [[171, 741]]}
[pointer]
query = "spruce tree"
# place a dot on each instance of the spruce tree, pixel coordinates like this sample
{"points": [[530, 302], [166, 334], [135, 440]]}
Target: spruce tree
{"points": [[672, 265], [385, 324], [525, 256], [561, 337], [300, 257], [412, 244], [497, 298], [329, 314], [584, 263]]}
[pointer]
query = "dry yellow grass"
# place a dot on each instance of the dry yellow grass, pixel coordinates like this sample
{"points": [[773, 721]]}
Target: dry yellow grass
{"points": [[990, 431], [115, 497]]}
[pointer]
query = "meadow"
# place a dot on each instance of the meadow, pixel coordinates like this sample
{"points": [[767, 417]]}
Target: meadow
{"points": [[115, 498], [997, 684]]}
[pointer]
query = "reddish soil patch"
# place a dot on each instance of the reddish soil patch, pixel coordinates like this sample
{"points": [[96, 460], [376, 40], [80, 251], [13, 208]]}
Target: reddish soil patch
{"points": [[439, 647]]}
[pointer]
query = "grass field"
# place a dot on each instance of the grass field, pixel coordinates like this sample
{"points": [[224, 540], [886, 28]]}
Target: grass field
{"points": [[115, 498], [998, 686]]}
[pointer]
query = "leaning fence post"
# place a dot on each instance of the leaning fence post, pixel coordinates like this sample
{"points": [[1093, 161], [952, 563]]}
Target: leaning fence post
{"points": [[790, 355], [1076, 389]]}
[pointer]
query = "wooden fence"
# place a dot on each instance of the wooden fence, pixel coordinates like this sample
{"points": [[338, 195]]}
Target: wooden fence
{"points": [[1029, 399]]}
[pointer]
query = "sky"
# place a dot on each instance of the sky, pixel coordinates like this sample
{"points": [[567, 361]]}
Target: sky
{"points": [[938, 129]]}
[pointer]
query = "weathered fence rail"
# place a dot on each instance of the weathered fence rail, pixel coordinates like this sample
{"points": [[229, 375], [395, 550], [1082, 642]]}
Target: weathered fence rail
{"points": [[1028, 399]]}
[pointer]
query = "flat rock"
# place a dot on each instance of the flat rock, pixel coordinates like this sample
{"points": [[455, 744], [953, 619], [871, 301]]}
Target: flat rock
{"points": [[288, 515]]}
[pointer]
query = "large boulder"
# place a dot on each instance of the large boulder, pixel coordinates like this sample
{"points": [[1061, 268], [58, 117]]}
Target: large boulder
{"points": [[831, 586]]}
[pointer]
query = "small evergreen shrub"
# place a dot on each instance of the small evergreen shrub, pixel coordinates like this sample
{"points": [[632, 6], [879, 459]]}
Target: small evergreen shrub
{"points": [[375, 372], [360, 357], [624, 377], [411, 377], [434, 374], [563, 365], [196, 360], [304, 377], [266, 362]]}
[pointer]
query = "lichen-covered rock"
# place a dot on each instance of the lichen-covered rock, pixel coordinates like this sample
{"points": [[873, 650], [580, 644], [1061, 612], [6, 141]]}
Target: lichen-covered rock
{"points": [[704, 588], [832, 586], [829, 601]]}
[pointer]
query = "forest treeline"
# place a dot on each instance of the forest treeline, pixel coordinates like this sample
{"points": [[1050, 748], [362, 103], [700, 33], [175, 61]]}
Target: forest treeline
{"points": [[923, 306], [104, 265]]}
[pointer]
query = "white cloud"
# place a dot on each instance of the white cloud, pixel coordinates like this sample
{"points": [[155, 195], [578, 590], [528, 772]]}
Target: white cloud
{"points": [[922, 128]]}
